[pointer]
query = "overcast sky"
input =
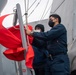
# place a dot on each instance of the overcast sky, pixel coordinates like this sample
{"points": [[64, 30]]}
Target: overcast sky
{"points": [[35, 16]]}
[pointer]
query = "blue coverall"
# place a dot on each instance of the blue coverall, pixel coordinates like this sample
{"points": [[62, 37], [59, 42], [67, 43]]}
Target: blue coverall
{"points": [[58, 62], [40, 57]]}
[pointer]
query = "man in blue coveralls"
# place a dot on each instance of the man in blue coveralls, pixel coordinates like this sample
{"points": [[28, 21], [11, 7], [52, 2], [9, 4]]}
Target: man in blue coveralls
{"points": [[58, 61]]}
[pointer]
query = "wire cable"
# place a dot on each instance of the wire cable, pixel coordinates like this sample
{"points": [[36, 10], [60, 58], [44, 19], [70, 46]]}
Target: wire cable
{"points": [[44, 9], [32, 4], [30, 7], [47, 11], [59, 6], [55, 9], [27, 5], [34, 8]]}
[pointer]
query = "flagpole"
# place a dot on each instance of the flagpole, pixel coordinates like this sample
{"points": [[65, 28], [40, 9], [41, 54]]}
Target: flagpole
{"points": [[1, 67], [26, 19], [26, 11], [23, 36], [16, 62], [26, 16]]}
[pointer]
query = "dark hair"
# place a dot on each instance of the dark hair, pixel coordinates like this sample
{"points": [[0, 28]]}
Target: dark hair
{"points": [[40, 26], [56, 16]]}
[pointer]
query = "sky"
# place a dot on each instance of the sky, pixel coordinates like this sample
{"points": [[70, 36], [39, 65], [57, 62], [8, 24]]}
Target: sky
{"points": [[39, 7]]}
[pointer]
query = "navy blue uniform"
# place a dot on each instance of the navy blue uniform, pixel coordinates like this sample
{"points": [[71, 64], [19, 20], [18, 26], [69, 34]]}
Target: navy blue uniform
{"points": [[57, 46], [40, 56]]}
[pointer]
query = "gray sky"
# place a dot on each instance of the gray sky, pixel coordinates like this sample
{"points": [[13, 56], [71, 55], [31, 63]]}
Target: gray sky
{"points": [[35, 16]]}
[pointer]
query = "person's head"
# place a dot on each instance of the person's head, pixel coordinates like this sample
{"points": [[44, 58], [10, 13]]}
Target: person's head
{"points": [[39, 27], [54, 19]]}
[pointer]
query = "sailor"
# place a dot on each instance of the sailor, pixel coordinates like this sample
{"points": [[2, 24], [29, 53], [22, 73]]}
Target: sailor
{"points": [[40, 52], [58, 61]]}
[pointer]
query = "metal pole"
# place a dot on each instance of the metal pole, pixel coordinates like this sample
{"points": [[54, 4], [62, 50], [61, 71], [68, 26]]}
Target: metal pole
{"points": [[16, 68], [15, 17], [1, 68], [26, 16], [14, 23], [23, 36], [26, 12]]}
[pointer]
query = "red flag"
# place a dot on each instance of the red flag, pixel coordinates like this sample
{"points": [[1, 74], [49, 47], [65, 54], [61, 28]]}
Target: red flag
{"points": [[11, 39], [15, 54], [29, 57], [16, 31], [7, 39]]}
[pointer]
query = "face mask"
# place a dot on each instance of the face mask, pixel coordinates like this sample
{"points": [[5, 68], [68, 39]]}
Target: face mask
{"points": [[50, 23], [38, 30]]}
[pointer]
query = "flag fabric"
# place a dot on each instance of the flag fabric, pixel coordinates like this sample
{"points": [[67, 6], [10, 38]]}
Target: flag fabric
{"points": [[7, 39], [11, 39], [15, 54], [29, 56]]}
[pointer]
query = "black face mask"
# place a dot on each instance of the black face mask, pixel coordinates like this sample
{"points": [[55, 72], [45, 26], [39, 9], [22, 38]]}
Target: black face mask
{"points": [[50, 23]]}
